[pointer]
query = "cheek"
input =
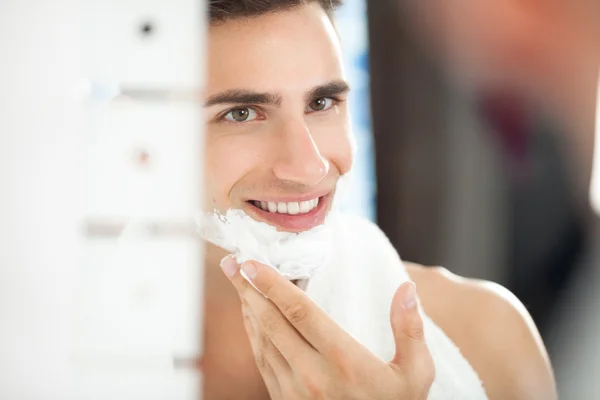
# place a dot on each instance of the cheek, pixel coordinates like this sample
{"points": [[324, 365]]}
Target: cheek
{"points": [[215, 183], [228, 159], [221, 172], [336, 143]]}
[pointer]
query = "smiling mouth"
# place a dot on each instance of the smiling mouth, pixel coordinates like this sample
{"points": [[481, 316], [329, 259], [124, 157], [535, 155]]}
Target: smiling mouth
{"points": [[289, 208], [292, 216]]}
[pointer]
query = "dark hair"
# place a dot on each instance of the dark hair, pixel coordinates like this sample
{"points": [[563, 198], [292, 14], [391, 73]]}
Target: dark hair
{"points": [[222, 10]]}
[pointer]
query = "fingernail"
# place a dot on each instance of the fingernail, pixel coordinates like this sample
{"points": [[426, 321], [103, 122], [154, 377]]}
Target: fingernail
{"points": [[229, 266], [250, 270], [410, 296]]}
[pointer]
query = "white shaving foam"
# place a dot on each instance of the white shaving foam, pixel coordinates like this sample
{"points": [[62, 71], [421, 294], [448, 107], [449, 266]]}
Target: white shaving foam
{"points": [[294, 255]]}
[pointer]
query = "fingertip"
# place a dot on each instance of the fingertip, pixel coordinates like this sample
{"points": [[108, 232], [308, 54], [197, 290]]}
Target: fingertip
{"points": [[229, 266], [405, 298], [410, 296], [249, 271], [407, 325], [250, 268], [404, 313]]}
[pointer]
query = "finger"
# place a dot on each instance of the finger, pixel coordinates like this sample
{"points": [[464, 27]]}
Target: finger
{"points": [[412, 354], [263, 348], [267, 366], [231, 268], [324, 334], [268, 319], [271, 322], [268, 374]]}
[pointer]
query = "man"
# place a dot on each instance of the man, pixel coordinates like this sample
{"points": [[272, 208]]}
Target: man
{"points": [[278, 132]]}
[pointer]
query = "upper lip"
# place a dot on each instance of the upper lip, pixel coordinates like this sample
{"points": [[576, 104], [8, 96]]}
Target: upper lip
{"points": [[291, 198]]}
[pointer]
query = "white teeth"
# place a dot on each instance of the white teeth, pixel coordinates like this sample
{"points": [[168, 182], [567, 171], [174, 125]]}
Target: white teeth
{"points": [[292, 208], [282, 208], [305, 206], [272, 207]]}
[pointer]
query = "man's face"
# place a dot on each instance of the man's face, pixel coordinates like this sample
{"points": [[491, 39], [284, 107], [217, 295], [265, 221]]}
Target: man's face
{"points": [[277, 133]]}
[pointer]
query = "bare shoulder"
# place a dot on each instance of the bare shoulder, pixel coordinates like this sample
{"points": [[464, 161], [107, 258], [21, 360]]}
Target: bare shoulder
{"points": [[493, 330]]}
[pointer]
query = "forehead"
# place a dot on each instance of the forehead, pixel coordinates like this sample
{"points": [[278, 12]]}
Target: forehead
{"points": [[283, 51]]}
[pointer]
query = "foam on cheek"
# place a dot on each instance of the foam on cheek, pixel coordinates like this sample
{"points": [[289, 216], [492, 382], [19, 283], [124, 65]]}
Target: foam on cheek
{"points": [[294, 255]]}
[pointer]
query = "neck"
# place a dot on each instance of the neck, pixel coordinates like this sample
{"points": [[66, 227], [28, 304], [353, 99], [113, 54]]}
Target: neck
{"points": [[218, 291], [213, 256]]}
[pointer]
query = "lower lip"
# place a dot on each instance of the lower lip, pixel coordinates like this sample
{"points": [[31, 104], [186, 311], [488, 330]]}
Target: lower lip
{"points": [[294, 223]]}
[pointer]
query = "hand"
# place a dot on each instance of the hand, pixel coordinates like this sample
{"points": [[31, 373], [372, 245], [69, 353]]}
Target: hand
{"points": [[302, 353]]}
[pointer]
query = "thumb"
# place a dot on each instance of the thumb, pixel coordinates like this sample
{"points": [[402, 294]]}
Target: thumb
{"points": [[407, 326]]}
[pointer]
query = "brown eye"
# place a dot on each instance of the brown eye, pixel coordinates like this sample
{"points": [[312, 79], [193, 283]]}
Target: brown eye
{"points": [[320, 104], [241, 115]]}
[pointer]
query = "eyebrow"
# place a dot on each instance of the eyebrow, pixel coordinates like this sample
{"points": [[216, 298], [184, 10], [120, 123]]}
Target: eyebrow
{"points": [[243, 97], [249, 97], [331, 89]]}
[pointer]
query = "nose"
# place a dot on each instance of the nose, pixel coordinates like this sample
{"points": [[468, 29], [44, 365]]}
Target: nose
{"points": [[299, 159]]}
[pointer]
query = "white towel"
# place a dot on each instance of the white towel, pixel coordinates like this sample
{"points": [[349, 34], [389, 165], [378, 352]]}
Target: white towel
{"points": [[356, 290]]}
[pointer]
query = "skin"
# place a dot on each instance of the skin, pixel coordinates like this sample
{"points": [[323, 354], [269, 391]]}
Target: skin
{"points": [[492, 329], [285, 347]]}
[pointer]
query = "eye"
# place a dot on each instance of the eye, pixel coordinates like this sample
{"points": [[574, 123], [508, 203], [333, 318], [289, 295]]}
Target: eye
{"points": [[243, 114], [320, 104]]}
